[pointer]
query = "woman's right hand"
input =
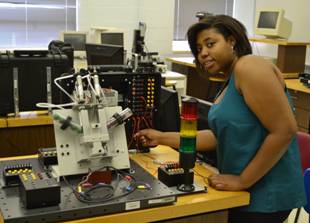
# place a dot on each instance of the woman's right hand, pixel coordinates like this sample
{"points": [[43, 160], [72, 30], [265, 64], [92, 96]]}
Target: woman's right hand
{"points": [[148, 137]]}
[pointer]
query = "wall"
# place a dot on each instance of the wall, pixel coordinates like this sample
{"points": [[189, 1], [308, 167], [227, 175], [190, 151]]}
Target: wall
{"points": [[244, 11], [158, 16]]}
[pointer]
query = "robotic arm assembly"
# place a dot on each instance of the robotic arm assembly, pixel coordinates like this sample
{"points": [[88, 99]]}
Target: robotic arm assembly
{"points": [[91, 134]]}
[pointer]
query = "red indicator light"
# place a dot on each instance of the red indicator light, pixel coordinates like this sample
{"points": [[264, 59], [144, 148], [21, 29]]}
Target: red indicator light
{"points": [[189, 108]]}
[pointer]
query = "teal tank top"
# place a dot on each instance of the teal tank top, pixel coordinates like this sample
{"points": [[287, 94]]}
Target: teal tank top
{"points": [[239, 135]]}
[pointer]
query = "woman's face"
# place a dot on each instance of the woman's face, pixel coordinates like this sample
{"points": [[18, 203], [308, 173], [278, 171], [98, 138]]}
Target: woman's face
{"points": [[215, 54]]}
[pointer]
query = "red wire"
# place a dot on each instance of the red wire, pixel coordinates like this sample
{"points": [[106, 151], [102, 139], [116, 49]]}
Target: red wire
{"points": [[133, 131]]}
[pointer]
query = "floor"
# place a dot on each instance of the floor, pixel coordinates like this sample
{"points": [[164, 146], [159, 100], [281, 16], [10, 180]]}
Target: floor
{"points": [[303, 217]]}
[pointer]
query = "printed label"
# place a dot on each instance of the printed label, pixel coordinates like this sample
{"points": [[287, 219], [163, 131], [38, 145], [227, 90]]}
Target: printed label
{"points": [[132, 205], [162, 200]]}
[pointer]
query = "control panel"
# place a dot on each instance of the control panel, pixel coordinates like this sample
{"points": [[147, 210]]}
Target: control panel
{"points": [[38, 189]]}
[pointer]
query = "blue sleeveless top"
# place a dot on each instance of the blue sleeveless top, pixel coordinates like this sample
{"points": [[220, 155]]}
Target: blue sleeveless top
{"points": [[239, 135]]}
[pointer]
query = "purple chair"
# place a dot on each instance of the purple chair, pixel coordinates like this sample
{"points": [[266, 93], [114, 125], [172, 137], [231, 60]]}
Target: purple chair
{"points": [[304, 148]]}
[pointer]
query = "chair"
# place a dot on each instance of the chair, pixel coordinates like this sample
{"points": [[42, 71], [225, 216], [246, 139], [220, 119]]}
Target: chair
{"points": [[304, 148]]}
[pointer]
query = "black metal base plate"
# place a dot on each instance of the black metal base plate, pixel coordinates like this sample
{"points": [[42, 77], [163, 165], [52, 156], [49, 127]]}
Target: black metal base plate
{"points": [[70, 208]]}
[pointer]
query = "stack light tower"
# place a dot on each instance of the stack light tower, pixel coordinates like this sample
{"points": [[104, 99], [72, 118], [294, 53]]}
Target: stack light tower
{"points": [[187, 150]]}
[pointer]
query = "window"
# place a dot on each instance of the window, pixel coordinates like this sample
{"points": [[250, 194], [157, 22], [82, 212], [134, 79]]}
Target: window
{"points": [[34, 23], [185, 13]]}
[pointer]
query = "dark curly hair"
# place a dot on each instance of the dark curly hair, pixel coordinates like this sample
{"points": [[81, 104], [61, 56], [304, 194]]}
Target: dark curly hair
{"points": [[225, 25]]}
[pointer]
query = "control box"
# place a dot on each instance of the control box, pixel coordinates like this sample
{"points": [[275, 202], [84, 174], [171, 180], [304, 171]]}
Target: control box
{"points": [[172, 174], [38, 189]]}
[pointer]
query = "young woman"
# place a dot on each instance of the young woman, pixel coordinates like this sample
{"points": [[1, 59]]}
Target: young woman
{"points": [[252, 124]]}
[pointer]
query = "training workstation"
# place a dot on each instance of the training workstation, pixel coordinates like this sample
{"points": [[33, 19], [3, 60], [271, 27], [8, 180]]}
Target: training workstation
{"points": [[69, 112], [74, 108]]}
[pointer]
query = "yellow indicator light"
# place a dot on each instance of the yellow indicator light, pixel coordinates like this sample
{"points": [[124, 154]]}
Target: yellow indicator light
{"points": [[188, 128], [34, 177], [24, 176]]}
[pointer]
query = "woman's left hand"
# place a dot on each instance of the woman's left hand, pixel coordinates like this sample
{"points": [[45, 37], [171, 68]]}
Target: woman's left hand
{"points": [[226, 182]]}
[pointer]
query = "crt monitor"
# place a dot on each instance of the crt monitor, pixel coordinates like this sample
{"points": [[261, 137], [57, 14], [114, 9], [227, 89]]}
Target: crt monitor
{"points": [[77, 39], [272, 24], [168, 116], [114, 38], [104, 54]]}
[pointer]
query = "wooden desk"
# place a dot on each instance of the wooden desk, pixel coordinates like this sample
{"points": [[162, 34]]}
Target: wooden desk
{"points": [[291, 55], [186, 61], [294, 84], [201, 207], [24, 136], [200, 86], [301, 98], [29, 121], [3, 123]]}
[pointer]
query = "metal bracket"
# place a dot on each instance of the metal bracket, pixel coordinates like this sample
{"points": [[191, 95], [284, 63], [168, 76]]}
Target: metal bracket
{"points": [[15, 90], [49, 86]]}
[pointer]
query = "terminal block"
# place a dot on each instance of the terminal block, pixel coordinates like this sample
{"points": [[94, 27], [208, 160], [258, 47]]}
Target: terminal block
{"points": [[172, 174], [11, 172]]}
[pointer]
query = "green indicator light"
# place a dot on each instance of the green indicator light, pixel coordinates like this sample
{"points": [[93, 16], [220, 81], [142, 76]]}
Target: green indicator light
{"points": [[187, 145]]}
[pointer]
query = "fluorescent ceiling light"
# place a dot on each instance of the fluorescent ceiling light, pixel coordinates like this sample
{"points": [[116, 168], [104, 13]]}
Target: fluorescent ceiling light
{"points": [[14, 5]]}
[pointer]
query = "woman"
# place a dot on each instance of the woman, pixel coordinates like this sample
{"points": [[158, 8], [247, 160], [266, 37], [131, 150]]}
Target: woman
{"points": [[252, 124]]}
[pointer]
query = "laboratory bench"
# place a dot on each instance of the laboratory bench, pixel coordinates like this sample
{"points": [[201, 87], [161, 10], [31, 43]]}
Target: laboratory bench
{"points": [[210, 206]]}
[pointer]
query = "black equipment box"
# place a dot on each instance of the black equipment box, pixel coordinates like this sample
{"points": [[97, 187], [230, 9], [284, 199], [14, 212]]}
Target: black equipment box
{"points": [[171, 176], [38, 190], [47, 156], [27, 78], [305, 79]]}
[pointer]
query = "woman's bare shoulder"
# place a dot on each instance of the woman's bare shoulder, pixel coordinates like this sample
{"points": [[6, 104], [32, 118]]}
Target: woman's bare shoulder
{"points": [[252, 62], [253, 68]]}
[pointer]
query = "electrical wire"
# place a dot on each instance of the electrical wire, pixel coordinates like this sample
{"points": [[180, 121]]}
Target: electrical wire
{"points": [[50, 105], [204, 178], [89, 195]]}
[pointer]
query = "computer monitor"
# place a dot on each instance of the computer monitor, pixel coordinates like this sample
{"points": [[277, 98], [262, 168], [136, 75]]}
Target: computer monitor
{"points": [[104, 54], [77, 39], [168, 116], [114, 38], [107, 35], [272, 24]]}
